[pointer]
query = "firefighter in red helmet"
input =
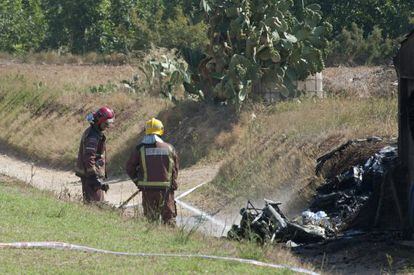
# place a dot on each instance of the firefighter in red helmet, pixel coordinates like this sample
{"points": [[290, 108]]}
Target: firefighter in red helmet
{"points": [[91, 164]]}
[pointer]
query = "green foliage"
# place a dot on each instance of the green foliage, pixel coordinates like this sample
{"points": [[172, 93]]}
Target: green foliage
{"points": [[262, 47], [180, 33], [103, 88], [383, 21], [173, 31], [104, 26], [22, 25], [120, 33], [167, 73], [392, 16], [351, 47], [126, 26], [77, 25]]}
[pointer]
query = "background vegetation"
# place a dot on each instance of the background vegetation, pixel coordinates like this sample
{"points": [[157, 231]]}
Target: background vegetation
{"points": [[103, 26], [225, 51], [364, 32]]}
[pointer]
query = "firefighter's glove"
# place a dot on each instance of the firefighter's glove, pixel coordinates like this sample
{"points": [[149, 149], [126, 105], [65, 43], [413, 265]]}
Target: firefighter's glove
{"points": [[100, 162], [105, 187], [96, 182]]}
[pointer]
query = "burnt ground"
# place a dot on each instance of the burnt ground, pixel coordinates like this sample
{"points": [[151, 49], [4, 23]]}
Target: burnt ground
{"points": [[368, 253], [374, 253]]}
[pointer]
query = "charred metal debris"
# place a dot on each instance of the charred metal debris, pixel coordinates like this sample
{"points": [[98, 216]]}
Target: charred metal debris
{"points": [[344, 204]]}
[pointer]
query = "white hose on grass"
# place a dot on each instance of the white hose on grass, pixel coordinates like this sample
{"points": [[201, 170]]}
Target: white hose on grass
{"points": [[67, 246]]}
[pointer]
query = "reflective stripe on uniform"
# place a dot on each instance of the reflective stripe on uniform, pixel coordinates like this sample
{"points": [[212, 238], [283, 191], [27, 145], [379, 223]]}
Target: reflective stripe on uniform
{"points": [[154, 183], [170, 167], [144, 163], [157, 152]]}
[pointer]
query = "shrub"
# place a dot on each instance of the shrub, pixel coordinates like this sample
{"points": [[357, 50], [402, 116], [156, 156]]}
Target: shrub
{"points": [[351, 47]]}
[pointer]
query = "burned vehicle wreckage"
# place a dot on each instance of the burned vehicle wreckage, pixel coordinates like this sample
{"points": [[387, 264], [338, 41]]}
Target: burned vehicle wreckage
{"points": [[350, 202], [371, 192], [343, 204]]}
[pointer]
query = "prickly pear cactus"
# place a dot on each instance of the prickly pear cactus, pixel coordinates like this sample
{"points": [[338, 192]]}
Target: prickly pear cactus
{"points": [[261, 46]]}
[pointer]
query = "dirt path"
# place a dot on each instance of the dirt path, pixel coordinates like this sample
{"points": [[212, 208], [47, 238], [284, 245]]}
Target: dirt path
{"points": [[65, 183]]}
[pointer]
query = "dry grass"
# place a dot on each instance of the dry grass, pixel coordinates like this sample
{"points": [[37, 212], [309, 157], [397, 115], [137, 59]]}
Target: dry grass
{"points": [[200, 131], [43, 108], [350, 156], [267, 151], [69, 78], [360, 81], [275, 157], [58, 58]]}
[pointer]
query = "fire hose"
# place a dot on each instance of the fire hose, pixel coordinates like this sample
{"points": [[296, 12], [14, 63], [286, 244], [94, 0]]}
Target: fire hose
{"points": [[67, 246], [129, 199]]}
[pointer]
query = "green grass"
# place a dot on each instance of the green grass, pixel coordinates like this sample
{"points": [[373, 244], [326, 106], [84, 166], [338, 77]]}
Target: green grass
{"points": [[31, 215]]}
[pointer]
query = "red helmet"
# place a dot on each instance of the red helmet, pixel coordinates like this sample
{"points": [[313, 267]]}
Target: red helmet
{"points": [[104, 114]]}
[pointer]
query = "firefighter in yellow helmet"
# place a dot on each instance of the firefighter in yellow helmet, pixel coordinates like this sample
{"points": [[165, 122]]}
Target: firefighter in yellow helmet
{"points": [[153, 167]]}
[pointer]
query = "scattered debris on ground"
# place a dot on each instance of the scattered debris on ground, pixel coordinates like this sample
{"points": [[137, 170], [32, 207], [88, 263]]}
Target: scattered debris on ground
{"points": [[346, 204]]}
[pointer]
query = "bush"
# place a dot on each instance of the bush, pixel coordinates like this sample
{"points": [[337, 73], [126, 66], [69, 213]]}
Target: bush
{"points": [[175, 32], [350, 47], [180, 33], [22, 25]]}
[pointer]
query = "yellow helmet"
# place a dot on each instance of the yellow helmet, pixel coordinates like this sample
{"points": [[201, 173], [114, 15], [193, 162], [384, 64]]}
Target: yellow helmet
{"points": [[154, 127]]}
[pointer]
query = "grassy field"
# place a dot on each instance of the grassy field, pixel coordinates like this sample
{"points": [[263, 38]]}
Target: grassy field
{"points": [[31, 215]]}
